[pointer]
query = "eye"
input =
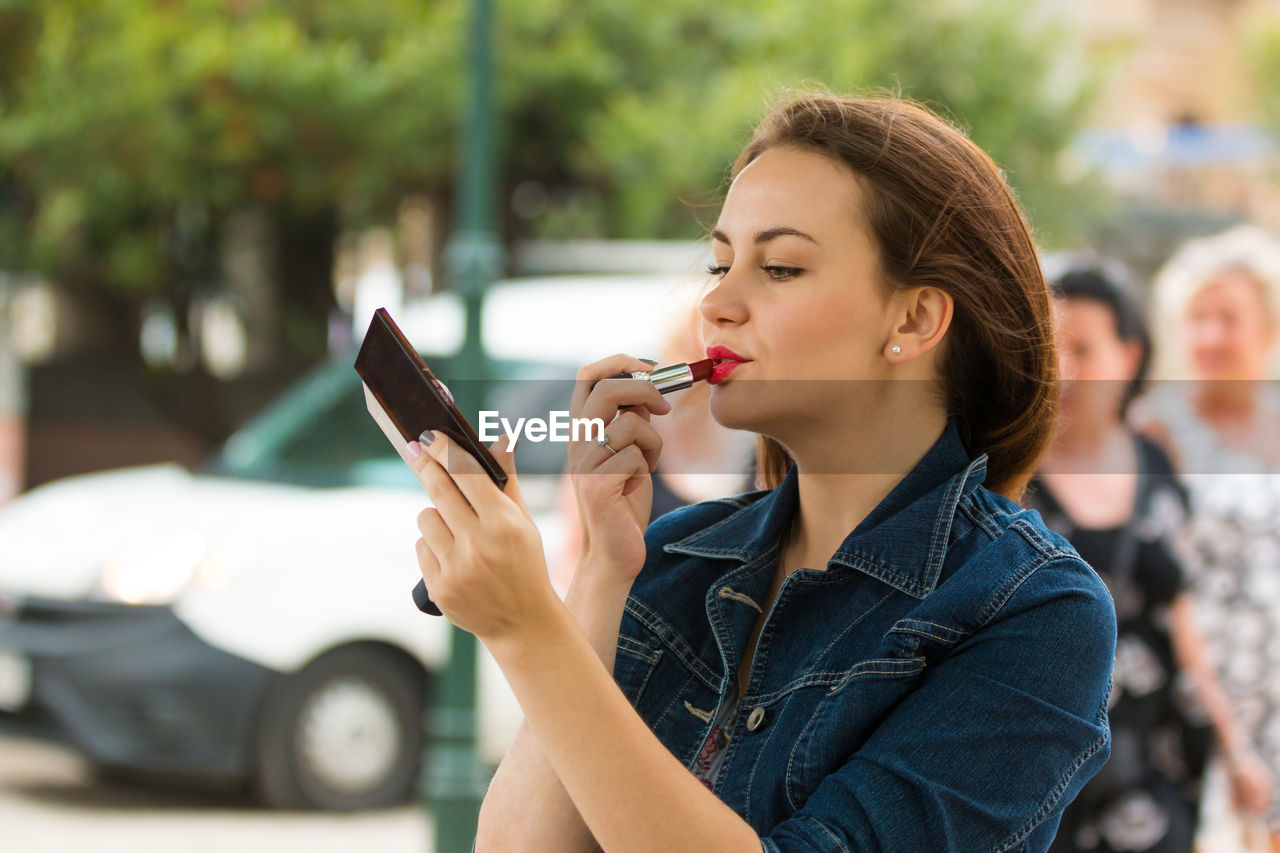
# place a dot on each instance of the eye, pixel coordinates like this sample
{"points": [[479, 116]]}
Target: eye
{"points": [[778, 273], [717, 271]]}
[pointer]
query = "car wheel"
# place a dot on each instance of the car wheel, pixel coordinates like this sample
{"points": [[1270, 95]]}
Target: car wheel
{"points": [[345, 733]]}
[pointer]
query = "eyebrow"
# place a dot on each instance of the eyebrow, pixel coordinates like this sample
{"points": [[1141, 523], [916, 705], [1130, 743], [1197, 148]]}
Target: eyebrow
{"points": [[765, 235]]}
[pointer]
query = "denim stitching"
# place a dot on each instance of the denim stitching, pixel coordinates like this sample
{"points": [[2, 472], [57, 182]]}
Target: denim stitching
{"points": [[979, 518], [1035, 538], [740, 597], [751, 774], [818, 713], [719, 625], [1051, 801], [823, 654], [648, 674], [955, 635], [841, 845], [830, 678], [705, 716], [679, 546], [635, 647], [678, 645], [1016, 579], [881, 573], [942, 528], [916, 664]]}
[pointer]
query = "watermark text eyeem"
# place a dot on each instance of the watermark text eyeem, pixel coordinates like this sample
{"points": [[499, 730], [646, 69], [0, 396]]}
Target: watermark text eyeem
{"points": [[560, 427]]}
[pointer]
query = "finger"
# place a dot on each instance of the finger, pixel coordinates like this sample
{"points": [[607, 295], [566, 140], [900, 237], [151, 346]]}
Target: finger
{"points": [[436, 532], [503, 450], [429, 567], [471, 479], [443, 491], [613, 474], [613, 394], [590, 374], [629, 429]]}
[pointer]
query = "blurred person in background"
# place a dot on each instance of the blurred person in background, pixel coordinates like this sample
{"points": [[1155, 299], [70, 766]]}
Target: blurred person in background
{"points": [[700, 458], [1218, 416], [1114, 495]]}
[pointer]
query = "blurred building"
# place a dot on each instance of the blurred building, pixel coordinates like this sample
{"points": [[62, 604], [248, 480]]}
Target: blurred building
{"points": [[1180, 121]]}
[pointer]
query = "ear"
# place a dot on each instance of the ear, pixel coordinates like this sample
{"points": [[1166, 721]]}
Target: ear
{"points": [[1132, 357], [921, 317]]}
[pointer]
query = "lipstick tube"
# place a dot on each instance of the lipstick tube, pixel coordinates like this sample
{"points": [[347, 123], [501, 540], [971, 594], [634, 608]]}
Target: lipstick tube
{"points": [[675, 377]]}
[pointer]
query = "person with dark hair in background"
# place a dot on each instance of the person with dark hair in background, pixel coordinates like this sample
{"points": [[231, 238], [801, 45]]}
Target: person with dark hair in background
{"points": [[1114, 495], [880, 649]]}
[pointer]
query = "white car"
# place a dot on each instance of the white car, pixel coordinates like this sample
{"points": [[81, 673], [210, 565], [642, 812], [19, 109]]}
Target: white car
{"points": [[252, 622]]}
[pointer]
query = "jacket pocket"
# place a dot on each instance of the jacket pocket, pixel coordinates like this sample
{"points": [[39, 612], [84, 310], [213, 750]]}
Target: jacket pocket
{"points": [[843, 717], [634, 664]]}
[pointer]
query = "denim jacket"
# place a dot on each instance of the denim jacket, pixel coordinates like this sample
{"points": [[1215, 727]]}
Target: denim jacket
{"points": [[941, 686]]}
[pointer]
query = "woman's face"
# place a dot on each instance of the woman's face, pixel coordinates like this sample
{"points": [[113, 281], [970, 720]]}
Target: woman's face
{"points": [[1094, 362], [797, 293], [1228, 330]]}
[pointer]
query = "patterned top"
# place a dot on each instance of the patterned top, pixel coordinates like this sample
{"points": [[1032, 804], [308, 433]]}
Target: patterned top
{"points": [[1144, 797], [1233, 561], [707, 765]]}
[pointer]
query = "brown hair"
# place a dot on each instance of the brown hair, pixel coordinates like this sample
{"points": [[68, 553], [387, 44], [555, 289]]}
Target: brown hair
{"points": [[942, 215]]}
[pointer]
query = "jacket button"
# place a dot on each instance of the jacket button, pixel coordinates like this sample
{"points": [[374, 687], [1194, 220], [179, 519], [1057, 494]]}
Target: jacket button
{"points": [[755, 721]]}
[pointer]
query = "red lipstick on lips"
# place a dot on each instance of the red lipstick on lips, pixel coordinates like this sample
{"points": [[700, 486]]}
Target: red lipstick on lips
{"points": [[713, 369], [726, 361]]}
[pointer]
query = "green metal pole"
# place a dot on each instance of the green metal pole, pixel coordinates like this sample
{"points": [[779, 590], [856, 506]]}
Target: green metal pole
{"points": [[454, 778]]}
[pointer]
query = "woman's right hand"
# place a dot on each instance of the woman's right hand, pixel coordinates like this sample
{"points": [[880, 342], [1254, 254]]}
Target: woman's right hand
{"points": [[615, 490], [1252, 782]]}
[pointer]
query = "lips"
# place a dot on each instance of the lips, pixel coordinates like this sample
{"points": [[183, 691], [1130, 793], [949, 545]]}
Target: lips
{"points": [[726, 362]]}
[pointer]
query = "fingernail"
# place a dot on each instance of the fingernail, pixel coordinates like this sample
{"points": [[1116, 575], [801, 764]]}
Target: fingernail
{"points": [[413, 449], [426, 437], [649, 361]]}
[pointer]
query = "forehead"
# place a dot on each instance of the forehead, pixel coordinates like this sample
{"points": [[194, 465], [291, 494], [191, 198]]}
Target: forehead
{"points": [[794, 187], [1231, 288], [1076, 315]]}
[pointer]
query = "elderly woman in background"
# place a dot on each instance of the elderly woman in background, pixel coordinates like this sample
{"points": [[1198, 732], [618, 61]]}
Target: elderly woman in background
{"points": [[1216, 304]]}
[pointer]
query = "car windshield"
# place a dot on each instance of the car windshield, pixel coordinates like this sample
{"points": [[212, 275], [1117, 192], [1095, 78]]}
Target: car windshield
{"points": [[320, 433]]}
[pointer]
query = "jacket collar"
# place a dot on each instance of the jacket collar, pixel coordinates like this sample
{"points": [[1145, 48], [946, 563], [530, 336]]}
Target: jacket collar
{"points": [[902, 542]]}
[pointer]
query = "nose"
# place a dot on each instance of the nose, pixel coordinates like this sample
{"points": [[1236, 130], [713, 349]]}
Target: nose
{"points": [[723, 302]]}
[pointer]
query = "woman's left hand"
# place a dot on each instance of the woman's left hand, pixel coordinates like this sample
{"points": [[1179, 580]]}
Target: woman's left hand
{"points": [[480, 553]]}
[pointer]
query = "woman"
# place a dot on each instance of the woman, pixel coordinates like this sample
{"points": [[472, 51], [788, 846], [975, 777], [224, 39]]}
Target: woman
{"points": [[875, 652], [1216, 301], [1113, 494]]}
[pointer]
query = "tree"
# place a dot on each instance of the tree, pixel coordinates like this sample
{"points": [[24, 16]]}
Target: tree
{"points": [[133, 131]]}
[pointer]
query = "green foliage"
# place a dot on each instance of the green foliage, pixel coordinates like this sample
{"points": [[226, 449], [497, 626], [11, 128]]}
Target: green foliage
{"points": [[1264, 59], [673, 89], [130, 128], [128, 111]]}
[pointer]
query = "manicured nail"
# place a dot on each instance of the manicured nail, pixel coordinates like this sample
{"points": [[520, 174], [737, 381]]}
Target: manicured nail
{"points": [[413, 449], [426, 437], [649, 361]]}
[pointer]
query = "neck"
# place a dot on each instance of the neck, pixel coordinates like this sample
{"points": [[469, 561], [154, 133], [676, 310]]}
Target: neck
{"points": [[1231, 398], [1082, 439], [848, 465], [1086, 448]]}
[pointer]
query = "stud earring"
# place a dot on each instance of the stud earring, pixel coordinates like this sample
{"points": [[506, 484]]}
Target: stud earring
{"points": [[896, 350]]}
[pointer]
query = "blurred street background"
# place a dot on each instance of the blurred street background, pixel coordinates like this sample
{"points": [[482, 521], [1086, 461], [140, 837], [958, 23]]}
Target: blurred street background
{"points": [[202, 203]]}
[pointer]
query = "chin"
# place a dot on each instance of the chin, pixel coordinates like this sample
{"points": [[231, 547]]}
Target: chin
{"points": [[737, 405], [742, 406]]}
